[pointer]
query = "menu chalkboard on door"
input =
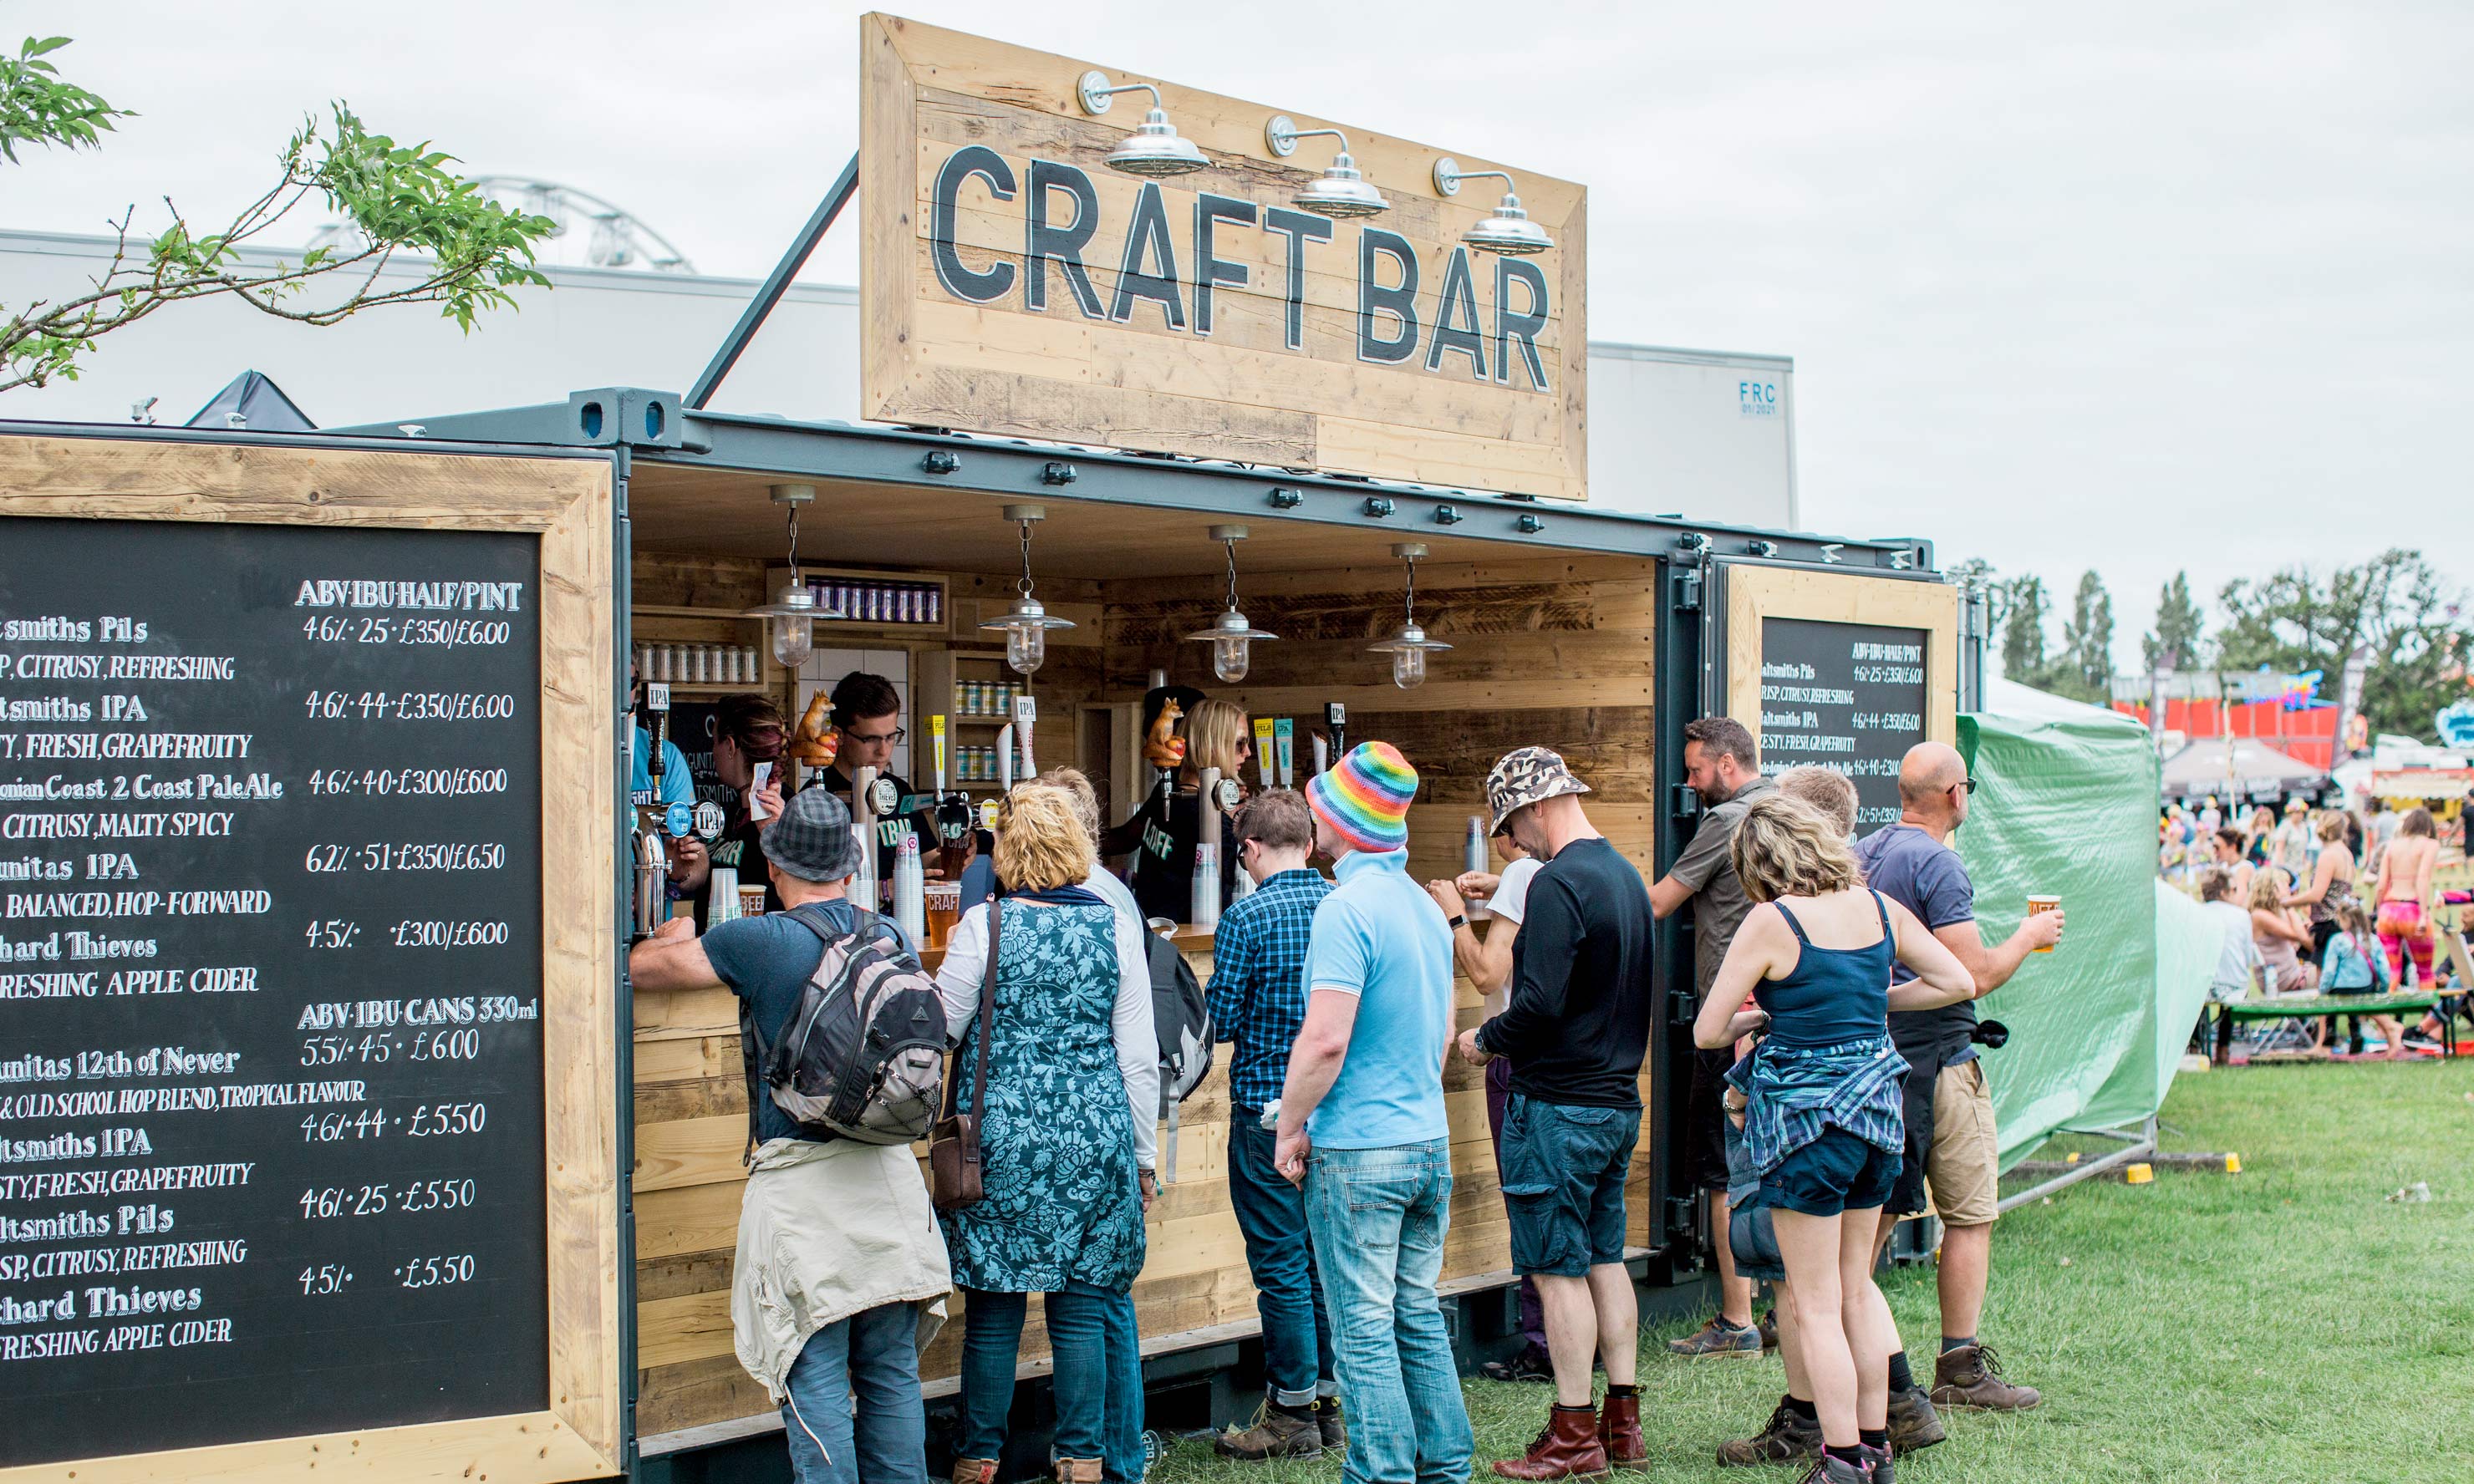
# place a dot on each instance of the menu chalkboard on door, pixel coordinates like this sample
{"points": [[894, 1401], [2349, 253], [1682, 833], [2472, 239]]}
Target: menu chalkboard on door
{"points": [[270, 1059], [1849, 697]]}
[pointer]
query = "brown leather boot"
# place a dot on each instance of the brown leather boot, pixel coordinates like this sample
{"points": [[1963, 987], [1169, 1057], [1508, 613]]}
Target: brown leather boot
{"points": [[1568, 1448], [1327, 1421], [1913, 1421], [1620, 1432], [975, 1471], [1275, 1434], [1971, 1376], [1078, 1470]]}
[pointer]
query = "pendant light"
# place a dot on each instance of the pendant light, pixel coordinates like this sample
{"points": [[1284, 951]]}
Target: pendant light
{"points": [[1156, 148], [1508, 231], [1231, 636], [1410, 646], [1342, 190], [790, 618], [1026, 624]]}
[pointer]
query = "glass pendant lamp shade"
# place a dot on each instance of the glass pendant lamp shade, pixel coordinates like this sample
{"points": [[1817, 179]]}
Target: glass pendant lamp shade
{"points": [[1408, 646], [1231, 636], [790, 618], [1026, 624]]}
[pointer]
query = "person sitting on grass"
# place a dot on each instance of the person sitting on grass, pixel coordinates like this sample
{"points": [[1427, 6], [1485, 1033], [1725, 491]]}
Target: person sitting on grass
{"points": [[1823, 1120], [2354, 964]]}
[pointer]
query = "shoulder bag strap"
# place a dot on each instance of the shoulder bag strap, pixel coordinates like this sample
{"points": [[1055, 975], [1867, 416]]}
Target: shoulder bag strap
{"points": [[986, 1024]]}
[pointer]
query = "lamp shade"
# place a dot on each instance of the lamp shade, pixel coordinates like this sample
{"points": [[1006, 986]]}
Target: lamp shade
{"points": [[1156, 149]]}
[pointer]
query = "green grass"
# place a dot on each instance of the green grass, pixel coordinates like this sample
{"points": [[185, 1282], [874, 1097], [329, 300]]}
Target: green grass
{"points": [[2286, 1322]]}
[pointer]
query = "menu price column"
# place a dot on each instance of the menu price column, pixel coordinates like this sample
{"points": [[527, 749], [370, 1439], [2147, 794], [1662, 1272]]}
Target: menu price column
{"points": [[271, 1112], [1848, 697]]}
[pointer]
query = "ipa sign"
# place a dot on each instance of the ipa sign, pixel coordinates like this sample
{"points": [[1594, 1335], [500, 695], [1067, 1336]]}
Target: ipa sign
{"points": [[1015, 283]]}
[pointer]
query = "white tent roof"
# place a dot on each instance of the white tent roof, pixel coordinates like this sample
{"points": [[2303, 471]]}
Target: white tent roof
{"points": [[2255, 769]]}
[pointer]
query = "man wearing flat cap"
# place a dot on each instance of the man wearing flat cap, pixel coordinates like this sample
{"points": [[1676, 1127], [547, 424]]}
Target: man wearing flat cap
{"points": [[836, 1235]]}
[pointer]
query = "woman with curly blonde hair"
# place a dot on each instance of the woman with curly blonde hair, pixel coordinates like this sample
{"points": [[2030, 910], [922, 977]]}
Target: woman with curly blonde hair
{"points": [[1823, 1120], [1066, 1129]]}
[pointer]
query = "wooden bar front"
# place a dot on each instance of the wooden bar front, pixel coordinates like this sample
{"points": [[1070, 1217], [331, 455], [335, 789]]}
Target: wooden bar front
{"points": [[1553, 651]]}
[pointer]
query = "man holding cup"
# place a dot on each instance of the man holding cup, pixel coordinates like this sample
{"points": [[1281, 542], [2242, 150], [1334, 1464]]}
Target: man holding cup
{"points": [[1951, 1138]]}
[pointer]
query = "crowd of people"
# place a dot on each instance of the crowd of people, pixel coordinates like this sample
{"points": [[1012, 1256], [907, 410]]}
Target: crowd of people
{"points": [[1837, 1091], [2323, 902]]}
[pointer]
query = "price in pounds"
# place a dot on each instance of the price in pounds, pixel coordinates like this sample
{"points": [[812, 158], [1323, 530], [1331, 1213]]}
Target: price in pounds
{"points": [[325, 1279], [446, 1120], [436, 1272], [435, 934]]}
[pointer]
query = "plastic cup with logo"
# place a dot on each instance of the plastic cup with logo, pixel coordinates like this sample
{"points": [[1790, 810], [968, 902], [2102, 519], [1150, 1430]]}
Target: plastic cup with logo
{"points": [[2036, 904]]}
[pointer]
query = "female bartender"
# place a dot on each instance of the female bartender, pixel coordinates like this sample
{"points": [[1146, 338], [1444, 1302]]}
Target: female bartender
{"points": [[1163, 833], [747, 730]]}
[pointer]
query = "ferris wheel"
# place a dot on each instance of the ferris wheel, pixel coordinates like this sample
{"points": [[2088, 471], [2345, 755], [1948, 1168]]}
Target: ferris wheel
{"points": [[590, 232]]}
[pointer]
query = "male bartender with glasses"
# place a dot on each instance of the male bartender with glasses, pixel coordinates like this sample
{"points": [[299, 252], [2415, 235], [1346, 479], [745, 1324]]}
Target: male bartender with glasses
{"points": [[868, 722]]}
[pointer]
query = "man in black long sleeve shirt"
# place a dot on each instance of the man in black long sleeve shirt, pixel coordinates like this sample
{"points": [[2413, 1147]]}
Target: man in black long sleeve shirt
{"points": [[1576, 1028]]}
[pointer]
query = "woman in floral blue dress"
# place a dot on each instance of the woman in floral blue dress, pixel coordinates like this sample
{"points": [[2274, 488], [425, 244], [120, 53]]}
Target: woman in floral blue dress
{"points": [[1066, 1144]]}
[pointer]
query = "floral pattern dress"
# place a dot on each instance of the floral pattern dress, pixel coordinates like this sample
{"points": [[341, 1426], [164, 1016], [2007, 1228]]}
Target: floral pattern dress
{"points": [[1060, 1199]]}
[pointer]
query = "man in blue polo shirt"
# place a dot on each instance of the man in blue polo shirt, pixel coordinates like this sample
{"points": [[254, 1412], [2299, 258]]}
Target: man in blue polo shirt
{"points": [[1362, 1129]]}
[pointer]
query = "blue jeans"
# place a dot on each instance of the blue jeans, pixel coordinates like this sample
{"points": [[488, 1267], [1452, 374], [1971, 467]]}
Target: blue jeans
{"points": [[1288, 1290], [874, 1355], [1097, 1380], [1379, 1217]]}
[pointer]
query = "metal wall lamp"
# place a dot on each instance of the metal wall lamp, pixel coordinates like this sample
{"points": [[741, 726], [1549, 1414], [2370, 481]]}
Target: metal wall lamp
{"points": [[1231, 636], [1154, 147], [1026, 624], [1408, 645], [1508, 231], [1342, 190]]}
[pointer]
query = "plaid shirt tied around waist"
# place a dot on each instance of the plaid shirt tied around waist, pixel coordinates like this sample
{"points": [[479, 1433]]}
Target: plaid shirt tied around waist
{"points": [[1792, 1093], [1258, 981]]}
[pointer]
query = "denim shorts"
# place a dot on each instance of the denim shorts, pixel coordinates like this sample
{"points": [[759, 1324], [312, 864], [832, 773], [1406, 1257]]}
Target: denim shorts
{"points": [[1752, 1237], [1836, 1172], [1564, 1171]]}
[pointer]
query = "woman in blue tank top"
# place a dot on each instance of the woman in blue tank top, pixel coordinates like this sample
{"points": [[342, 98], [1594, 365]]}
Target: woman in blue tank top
{"points": [[1822, 1117]]}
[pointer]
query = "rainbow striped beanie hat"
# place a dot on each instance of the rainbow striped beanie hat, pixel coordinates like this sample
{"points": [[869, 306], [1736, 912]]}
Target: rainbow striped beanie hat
{"points": [[1365, 797]]}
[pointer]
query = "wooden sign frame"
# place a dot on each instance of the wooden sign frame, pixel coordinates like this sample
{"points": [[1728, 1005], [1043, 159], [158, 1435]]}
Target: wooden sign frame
{"points": [[566, 501], [1301, 369], [1756, 593]]}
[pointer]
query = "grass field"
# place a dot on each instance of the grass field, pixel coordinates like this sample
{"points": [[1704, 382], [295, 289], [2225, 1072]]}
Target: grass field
{"points": [[2284, 1322]]}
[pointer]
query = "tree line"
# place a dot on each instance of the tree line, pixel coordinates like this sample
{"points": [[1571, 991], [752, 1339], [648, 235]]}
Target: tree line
{"points": [[2417, 623]]}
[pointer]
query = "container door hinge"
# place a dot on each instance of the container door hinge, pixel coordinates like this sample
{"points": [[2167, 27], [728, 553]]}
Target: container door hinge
{"points": [[1685, 596], [1686, 802]]}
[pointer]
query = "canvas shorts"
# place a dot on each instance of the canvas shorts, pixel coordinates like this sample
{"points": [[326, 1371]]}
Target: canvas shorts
{"points": [[1563, 1172], [1963, 1167]]}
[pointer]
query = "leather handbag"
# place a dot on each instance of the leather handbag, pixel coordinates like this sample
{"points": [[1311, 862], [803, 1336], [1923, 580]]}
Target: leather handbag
{"points": [[954, 1167]]}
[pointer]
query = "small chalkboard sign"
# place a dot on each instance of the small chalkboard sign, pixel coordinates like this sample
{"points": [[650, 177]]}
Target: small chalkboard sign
{"points": [[1845, 696]]}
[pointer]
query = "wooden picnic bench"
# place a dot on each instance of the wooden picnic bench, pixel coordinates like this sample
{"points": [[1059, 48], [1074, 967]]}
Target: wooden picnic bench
{"points": [[2304, 1007]]}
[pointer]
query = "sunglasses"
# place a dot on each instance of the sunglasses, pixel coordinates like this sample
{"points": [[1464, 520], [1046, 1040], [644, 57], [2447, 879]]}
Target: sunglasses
{"points": [[1969, 785]]}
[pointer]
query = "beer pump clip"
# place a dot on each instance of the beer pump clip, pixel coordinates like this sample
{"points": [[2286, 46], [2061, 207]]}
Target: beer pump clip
{"points": [[1284, 737], [1335, 716]]}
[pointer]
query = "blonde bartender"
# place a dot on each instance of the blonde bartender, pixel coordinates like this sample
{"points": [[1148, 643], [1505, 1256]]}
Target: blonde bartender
{"points": [[1162, 835]]}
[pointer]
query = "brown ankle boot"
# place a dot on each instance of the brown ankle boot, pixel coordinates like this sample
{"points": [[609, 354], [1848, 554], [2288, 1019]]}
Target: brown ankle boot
{"points": [[1620, 1432], [1275, 1434], [1567, 1450], [1078, 1470], [1971, 1376], [975, 1471]]}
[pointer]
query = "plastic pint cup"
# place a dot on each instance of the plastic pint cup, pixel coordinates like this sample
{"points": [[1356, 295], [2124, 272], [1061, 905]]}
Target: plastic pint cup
{"points": [[2036, 904]]}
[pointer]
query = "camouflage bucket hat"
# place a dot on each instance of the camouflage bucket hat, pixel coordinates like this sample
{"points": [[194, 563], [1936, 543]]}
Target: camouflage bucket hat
{"points": [[1525, 777]]}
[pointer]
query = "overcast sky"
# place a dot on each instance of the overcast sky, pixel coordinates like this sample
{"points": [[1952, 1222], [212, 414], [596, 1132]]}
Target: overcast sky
{"points": [[2135, 287]]}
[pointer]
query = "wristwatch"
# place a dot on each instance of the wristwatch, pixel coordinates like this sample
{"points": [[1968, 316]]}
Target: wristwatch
{"points": [[1459, 921]]}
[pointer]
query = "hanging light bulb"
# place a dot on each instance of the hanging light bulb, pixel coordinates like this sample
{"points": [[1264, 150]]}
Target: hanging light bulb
{"points": [[1409, 646], [1231, 636], [1508, 231], [1026, 624], [790, 618], [1154, 147]]}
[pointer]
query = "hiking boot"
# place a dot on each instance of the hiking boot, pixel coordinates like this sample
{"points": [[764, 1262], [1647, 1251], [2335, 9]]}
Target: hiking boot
{"points": [[1278, 1432], [1971, 1376], [1531, 1364], [1877, 1459], [1566, 1449], [1789, 1436], [1716, 1338], [1078, 1470], [1768, 1326], [1620, 1432], [1327, 1422], [1913, 1421], [1826, 1470], [975, 1471]]}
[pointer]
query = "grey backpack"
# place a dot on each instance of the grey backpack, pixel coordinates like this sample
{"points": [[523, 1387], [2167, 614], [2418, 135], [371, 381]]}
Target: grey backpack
{"points": [[863, 1057]]}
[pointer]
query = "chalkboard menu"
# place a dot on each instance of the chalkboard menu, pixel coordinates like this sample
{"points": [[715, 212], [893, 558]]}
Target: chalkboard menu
{"points": [[271, 1064], [1849, 697]]}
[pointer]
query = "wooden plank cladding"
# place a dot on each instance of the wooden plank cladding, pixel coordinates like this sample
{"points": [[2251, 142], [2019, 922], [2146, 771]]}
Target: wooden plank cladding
{"points": [[1552, 651]]}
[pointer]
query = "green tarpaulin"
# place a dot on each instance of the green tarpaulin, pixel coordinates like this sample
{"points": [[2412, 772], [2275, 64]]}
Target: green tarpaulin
{"points": [[2066, 805]]}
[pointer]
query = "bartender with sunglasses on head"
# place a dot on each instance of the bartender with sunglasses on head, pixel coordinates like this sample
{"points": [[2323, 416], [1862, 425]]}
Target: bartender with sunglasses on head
{"points": [[868, 725]]}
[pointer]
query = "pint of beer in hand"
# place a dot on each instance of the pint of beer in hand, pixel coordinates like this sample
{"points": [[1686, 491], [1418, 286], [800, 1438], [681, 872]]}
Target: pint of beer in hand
{"points": [[2036, 904]]}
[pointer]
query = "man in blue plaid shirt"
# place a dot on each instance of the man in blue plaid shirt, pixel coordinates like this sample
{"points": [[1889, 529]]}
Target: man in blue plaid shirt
{"points": [[1259, 1001]]}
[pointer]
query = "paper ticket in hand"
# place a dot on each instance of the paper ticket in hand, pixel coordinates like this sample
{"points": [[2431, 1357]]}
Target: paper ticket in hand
{"points": [[756, 787]]}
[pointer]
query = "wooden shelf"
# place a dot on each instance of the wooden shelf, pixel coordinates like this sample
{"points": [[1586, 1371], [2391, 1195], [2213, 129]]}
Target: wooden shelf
{"points": [[962, 719], [704, 688]]}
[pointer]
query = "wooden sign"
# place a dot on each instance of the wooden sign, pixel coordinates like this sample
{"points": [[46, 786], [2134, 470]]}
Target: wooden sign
{"points": [[1015, 283], [306, 965]]}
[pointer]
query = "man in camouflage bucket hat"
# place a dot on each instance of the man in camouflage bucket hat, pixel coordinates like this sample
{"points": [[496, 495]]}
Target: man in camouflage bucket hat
{"points": [[1527, 776]]}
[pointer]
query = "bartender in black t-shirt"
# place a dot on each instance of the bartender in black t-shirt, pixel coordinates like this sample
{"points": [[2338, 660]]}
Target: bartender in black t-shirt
{"points": [[867, 724], [1162, 834], [747, 729]]}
